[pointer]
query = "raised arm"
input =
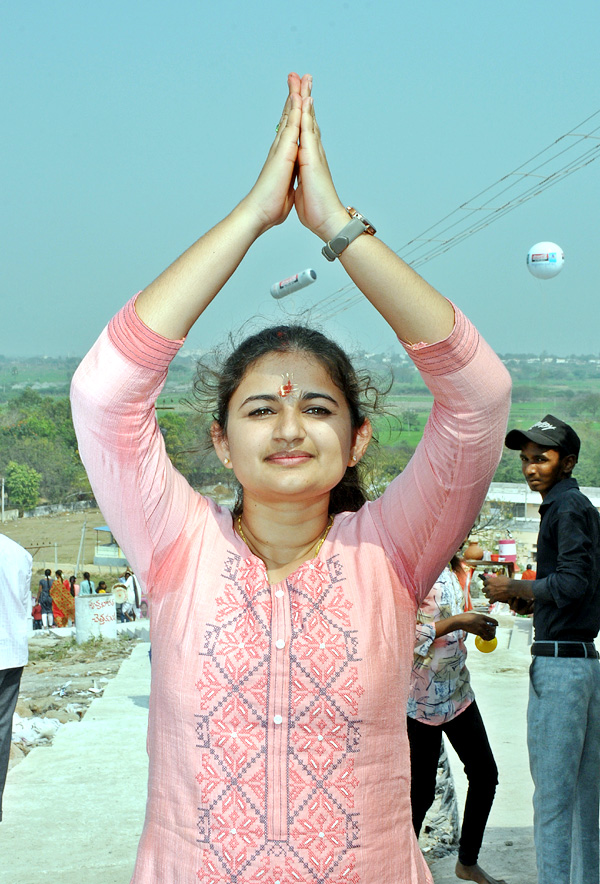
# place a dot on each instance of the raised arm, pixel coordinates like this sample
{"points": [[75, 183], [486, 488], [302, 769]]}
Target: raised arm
{"points": [[415, 310], [172, 303]]}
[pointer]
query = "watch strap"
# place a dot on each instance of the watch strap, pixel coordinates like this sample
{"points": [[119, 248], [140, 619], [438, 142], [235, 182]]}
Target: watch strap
{"points": [[356, 226]]}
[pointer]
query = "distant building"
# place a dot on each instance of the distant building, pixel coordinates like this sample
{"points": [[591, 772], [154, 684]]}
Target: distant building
{"points": [[107, 550]]}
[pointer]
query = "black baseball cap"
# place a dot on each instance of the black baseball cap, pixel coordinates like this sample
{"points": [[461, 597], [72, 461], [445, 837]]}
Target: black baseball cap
{"points": [[550, 432]]}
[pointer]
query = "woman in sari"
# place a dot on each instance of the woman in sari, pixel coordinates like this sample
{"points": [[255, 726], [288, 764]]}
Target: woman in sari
{"points": [[63, 604]]}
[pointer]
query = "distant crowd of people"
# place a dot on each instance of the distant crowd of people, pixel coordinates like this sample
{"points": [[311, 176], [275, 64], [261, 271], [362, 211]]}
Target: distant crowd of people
{"points": [[54, 604]]}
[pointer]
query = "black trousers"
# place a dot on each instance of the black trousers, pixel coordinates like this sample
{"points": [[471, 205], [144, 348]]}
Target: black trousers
{"points": [[467, 735], [10, 680]]}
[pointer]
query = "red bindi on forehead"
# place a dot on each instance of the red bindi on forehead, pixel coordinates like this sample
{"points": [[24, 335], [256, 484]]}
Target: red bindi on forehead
{"points": [[287, 387]]}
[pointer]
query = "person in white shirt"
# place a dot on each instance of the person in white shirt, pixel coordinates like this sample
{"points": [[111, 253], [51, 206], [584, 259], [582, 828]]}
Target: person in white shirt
{"points": [[15, 617], [131, 608]]}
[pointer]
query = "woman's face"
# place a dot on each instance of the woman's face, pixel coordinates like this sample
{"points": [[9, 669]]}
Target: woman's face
{"points": [[289, 434]]}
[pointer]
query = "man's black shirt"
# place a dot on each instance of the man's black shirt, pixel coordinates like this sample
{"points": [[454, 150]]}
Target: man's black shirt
{"points": [[567, 588]]}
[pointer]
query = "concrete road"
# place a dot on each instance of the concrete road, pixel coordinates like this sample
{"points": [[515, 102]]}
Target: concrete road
{"points": [[73, 811]]}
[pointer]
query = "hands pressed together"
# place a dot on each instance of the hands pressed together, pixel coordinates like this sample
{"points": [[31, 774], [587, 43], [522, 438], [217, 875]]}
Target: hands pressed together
{"points": [[296, 172]]}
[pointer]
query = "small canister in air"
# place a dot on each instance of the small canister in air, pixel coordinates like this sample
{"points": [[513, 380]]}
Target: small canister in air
{"points": [[293, 283]]}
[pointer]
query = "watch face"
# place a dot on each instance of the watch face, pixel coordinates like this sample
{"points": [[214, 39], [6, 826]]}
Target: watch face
{"points": [[368, 226]]}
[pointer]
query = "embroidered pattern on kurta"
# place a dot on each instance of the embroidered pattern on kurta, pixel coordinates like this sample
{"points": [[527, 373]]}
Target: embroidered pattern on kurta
{"points": [[278, 727]]}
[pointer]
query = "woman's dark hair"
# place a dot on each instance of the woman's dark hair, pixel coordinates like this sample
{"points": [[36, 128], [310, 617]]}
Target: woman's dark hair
{"points": [[215, 385], [455, 563]]}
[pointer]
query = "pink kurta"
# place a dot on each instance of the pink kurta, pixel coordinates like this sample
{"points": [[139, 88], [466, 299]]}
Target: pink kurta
{"points": [[277, 734]]}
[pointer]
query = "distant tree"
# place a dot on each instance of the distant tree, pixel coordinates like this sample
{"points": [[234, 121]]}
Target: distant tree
{"points": [[509, 468], [59, 466], [410, 419], [587, 405], [188, 445], [28, 399], [23, 485], [587, 471], [36, 424]]}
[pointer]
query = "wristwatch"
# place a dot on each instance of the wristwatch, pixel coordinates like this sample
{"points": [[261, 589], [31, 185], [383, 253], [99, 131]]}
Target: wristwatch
{"points": [[352, 230]]}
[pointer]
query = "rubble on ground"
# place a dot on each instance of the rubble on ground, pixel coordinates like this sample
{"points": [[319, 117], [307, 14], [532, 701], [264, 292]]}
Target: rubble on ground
{"points": [[59, 684]]}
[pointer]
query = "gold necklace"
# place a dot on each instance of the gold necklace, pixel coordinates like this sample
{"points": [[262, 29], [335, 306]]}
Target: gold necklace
{"points": [[318, 544]]}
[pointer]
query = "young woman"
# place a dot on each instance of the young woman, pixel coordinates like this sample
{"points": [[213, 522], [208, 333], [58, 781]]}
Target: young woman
{"points": [[63, 606], [44, 598], [441, 701], [87, 586], [282, 634]]}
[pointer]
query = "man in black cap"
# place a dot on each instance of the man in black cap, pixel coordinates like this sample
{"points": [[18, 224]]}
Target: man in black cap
{"points": [[563, 715]]}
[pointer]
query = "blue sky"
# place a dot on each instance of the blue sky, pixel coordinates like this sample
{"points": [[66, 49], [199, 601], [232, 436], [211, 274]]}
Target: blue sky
{"points": [[130, 128]]}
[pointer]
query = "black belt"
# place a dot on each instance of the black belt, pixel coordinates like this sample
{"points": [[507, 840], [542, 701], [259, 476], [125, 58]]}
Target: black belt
{"points": [[564, 649]]}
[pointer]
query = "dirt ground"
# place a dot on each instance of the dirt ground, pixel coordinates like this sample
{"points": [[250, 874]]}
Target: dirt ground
{"points": [[62, 678], [54, 542], [60, 682]]}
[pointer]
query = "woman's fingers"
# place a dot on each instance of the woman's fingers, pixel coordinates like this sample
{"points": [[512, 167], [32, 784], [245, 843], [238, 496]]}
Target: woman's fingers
{"points": [[272, 196], [317, 203], [305, 86], [299, 91], [295, 82], [291, 103], [288, 127]]}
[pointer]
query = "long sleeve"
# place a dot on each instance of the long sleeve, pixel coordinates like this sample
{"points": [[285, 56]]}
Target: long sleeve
{"points": [[573, 568], [427, 511], [15, 603], [567, 589], [143, 497]]}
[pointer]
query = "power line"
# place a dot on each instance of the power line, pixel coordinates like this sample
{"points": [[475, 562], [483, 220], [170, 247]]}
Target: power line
{"points": [[534, 176]]}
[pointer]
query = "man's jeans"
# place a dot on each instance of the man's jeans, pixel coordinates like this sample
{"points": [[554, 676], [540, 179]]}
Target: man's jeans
{"points": [[563, 736], [10, 680]]}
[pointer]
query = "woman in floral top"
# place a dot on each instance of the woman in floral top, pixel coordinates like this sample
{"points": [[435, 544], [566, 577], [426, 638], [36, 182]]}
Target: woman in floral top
{"points": [[441, 700]]}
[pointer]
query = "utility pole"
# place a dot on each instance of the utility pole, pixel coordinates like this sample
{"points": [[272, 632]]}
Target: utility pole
{"points": [[81, 542]]}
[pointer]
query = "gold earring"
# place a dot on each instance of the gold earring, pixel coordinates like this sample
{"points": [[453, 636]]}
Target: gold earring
{"points": [[226, 460]]}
